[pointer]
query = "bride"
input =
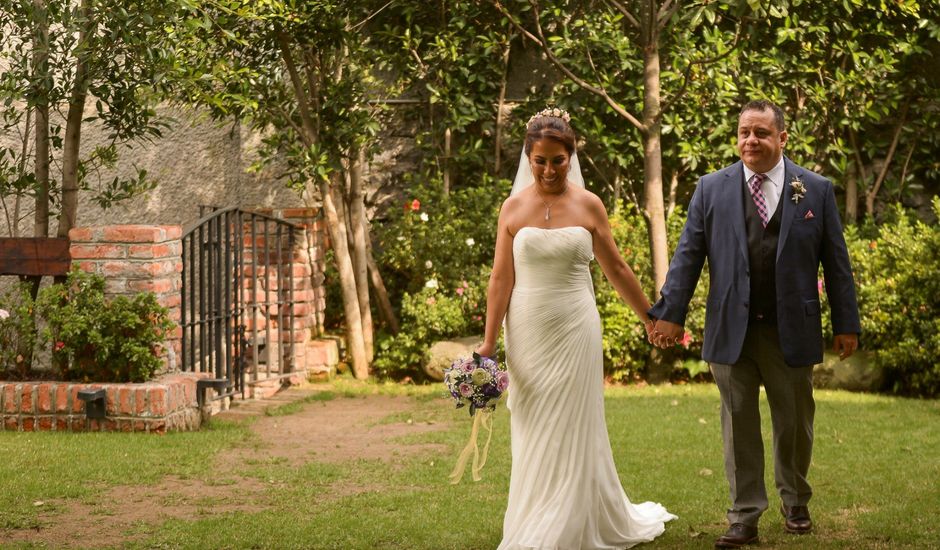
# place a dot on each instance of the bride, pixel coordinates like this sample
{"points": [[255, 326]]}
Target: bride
{"points": [[564, 492]]}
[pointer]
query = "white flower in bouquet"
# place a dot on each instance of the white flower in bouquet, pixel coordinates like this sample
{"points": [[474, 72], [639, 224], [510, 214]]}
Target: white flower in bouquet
{"points": [[480, 377]]}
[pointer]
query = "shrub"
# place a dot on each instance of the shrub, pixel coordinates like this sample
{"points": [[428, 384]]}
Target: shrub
{"points": [[95, 339], [436, 252], [441, 237], [434, 313], [17, 331], [626, 350], [895, 266]]}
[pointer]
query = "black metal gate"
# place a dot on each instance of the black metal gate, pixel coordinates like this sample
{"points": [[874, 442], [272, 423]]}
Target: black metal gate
{"points": [[238, 299]]}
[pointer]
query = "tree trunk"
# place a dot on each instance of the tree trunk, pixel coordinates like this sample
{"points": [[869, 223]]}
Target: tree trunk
{"points": [[659, 365], [381, 294], [851, 196], [498, 131], [653, 168], [360, 238], [673, 189], [873, 192], [336, 225], [73, 127], [447, 161], [41, 139]]}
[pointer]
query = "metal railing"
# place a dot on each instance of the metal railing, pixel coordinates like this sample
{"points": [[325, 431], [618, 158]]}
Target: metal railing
{"points": [[238, 297]]}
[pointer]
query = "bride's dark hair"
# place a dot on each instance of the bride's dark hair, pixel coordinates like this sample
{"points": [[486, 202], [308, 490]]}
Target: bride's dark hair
{"points": [[550, 127]]}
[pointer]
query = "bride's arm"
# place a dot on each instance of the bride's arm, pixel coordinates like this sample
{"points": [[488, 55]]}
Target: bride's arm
{"points": [[502, 279], [615, 268]]}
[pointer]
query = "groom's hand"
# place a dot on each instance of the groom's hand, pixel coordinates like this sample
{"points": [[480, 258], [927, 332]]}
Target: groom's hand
{"points": [[665, 334], [845, 344]]}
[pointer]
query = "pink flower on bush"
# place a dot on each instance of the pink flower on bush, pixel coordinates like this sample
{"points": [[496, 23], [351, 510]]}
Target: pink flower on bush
{"points": [[477, 318], [431, 301], [460, 291], [416, 205], [686, 340], [820, 286], [59, 346]]}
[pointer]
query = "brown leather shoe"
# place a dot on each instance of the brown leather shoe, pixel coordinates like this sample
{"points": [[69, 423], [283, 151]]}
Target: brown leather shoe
{"points": [[737, 535], [796, 519]]}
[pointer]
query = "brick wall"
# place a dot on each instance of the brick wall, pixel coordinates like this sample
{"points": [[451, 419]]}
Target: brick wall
{"points": [[307, 264], [165, 404], [148, 258], [312, 252], [132, 259]]}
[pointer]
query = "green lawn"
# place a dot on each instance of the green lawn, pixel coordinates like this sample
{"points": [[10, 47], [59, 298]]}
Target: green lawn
{"points": [[875, 474]]}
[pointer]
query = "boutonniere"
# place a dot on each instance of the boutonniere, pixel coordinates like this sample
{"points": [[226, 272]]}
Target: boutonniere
{"points": [[799, 190]]}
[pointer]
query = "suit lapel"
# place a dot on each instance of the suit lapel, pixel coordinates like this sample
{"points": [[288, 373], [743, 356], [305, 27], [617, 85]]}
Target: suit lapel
{"points": [[790, 172], [734, 198]]}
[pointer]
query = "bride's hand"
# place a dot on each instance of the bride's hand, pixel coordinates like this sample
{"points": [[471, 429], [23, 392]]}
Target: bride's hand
{"points": [[486, 350]]}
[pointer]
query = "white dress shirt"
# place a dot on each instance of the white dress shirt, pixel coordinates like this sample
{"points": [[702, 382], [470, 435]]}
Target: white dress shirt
{"points": [[772, 186]]}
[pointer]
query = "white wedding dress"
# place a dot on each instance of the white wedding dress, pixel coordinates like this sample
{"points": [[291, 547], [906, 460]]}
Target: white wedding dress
{"points": [[564, 492]]}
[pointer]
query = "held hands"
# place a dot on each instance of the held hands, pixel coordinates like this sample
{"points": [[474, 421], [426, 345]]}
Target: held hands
{"points": [[845, 344], [663, 334]]}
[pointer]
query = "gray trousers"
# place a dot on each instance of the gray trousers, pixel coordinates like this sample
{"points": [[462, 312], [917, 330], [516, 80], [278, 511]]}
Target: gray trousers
{"points": [[790, 396]]}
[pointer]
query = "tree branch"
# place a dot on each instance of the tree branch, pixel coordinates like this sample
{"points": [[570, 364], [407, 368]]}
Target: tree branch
{"points": [[890, 156], [666, 11], [366, 20], [543, 44], [627, 14], [305, 116], [688, 71], [284, 115], [310, 63], [907, 162]]}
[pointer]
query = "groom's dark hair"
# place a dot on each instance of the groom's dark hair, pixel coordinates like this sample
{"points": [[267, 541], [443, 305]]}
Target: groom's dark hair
{"points": [[763, 105]]}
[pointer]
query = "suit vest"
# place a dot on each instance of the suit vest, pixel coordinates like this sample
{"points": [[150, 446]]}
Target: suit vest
{"points": [[762, 258]]}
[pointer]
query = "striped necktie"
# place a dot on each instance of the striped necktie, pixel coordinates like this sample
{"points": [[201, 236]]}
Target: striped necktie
{"points": [[758, 196]]}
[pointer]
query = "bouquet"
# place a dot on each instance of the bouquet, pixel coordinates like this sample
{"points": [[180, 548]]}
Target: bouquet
{"points": [[478, 382]]}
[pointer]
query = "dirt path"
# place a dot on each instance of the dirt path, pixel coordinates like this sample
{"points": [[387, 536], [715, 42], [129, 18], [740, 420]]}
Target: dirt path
{"points": [[330, 431]]}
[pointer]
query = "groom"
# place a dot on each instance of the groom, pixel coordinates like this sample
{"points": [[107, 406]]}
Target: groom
{"points": [[765, 225]]}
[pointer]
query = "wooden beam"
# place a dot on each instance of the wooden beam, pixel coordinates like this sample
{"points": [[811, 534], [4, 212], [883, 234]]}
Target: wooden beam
{"points": [[34, 256]]}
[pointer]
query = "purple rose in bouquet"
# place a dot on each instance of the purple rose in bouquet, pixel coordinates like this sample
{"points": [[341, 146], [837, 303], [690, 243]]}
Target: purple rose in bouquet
{"points": [[476, 381]]}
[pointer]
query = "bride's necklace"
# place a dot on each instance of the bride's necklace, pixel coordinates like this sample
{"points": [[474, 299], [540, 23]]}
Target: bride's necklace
{"points": [[548, 207]]}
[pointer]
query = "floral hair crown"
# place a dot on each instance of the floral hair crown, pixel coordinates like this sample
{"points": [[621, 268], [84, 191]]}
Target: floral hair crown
{"points": [[553, 112]]}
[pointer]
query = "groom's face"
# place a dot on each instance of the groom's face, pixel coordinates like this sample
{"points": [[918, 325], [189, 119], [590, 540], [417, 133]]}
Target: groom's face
{"points": [[760, 142]]}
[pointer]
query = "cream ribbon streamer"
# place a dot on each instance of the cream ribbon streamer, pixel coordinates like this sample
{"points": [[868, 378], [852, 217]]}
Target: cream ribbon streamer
{"points": [[482, 418]]}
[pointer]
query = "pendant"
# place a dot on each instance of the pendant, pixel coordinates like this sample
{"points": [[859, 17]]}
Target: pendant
{"points": [[548, 213]]}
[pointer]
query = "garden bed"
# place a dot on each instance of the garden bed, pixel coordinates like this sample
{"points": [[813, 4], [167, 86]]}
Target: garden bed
{"points": [[165, 404]]}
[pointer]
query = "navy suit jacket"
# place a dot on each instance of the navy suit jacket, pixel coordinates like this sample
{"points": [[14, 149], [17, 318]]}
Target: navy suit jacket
{"points": [[715, 231]]}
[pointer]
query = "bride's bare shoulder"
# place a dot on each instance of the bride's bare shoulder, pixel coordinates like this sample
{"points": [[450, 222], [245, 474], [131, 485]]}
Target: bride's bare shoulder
{"points": [[588, 199], [513, 202]]}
